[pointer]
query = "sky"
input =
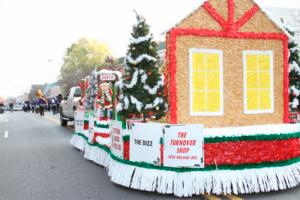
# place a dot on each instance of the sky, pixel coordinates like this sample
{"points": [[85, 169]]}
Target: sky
{"points": [[34, 34]]}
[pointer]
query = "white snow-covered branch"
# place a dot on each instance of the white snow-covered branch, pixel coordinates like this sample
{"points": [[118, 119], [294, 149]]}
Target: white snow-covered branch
{"points": [[156, 101], [139, 21], [294, 66], [295, 49], [140, 39], [140, 58], [137, 103], [295, 91], [126, 102], [295, 103], [155, 88], [144, 76], [120, 84]]}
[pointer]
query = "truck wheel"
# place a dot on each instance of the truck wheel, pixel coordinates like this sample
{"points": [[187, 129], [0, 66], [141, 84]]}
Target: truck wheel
{"points": [[63, 122]]}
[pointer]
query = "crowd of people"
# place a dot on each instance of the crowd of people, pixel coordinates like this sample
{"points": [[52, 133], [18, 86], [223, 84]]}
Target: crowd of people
{"points": [[42, 104]]}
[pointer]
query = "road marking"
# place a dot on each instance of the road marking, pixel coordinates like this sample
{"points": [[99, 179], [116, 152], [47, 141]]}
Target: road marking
{"points": [[70, 128], [58, 122], [233, 197], [52, 119], [6, 134], [211, 197]]}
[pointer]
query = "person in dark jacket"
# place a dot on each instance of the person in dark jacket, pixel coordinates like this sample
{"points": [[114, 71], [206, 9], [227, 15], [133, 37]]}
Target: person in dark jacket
{"points": [[58, 100], [42, 104]]}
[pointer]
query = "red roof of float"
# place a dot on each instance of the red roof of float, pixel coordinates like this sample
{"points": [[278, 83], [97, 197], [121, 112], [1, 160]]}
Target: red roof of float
{"points": [[230, 29], [230, 24]]}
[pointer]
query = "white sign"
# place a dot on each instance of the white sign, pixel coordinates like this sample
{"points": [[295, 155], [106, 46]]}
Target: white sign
{"points": [[145, 142], [91, 127], [78, 121], [117, 147], [129, 123], [183, 146], [107, 77]]}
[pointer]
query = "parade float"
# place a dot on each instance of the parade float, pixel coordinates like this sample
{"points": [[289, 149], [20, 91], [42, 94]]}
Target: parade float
{"points": [[217, 121]]}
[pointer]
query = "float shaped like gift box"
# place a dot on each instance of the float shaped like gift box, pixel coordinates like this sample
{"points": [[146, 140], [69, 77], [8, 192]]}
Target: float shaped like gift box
{"points": [[226, 66]]}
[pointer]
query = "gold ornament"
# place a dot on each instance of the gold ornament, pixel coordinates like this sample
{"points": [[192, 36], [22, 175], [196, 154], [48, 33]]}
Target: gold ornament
{"points": [[39, 93]]}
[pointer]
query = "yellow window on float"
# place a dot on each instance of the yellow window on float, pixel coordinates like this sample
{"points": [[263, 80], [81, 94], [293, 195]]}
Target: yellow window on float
{"points": [[199, 61], [206, 82], [198, 105], [258, 82], [199, 79], [212, 61], [251, 62], [213, 101]]}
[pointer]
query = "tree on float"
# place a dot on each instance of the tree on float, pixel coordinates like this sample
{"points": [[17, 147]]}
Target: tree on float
{"points": [[294, 70], [141, 88]]}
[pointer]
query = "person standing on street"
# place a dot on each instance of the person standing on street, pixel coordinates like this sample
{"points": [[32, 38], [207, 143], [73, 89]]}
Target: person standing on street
{"points": [[58, 100], [52, 105], [11, 107], [42, 104]]}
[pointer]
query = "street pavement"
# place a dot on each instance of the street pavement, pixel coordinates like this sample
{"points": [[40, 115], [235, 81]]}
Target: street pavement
{"points": [[38, 163]]}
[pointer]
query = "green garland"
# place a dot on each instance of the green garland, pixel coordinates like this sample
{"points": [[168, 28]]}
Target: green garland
{"points": [[207, 168], [126, 138], [101, 125], [258, 137]]}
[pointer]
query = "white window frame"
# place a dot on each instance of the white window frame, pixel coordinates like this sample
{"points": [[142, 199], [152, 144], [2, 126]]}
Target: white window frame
{"points": [[258, 52], [220, 52]]}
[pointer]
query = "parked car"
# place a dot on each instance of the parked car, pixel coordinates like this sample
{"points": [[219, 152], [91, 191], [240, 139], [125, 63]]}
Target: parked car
{"points": [[68, 105], [18, 107]]}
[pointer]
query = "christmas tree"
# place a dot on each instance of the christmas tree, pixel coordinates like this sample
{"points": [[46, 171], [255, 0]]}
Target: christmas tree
{"points": [[91, 91], [141, 88], [294, 70]]}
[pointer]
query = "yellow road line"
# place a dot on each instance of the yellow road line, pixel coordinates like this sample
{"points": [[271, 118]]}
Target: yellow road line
{"points": [[52, 119], [211, 197], [233, 197], [57, 121], [70, 128]]}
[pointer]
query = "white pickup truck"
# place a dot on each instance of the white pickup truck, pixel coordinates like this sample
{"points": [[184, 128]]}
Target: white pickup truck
{"points": [[68, 105]]}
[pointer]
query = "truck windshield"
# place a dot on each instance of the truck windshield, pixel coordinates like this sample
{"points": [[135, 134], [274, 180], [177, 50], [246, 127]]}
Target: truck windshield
{"points": [[78, 92]]}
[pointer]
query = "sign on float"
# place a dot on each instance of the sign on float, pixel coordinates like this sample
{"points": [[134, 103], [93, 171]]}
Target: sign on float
{"points": [[145, 142], [78, 121], [117, 139], [183, 146]]}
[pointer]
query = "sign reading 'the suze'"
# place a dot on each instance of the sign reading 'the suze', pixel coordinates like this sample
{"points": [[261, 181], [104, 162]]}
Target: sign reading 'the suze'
{"points": [[183, 146], [145, 142]]}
